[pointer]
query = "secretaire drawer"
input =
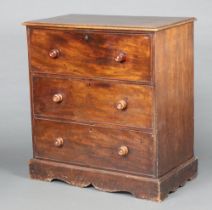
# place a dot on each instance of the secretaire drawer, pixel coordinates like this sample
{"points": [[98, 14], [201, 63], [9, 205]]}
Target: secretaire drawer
{"points": [[95, 147], [91, 54], [93, 101]]}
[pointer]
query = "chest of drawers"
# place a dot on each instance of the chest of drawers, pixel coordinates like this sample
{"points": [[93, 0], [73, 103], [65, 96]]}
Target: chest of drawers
{"points": [[112, 102]]}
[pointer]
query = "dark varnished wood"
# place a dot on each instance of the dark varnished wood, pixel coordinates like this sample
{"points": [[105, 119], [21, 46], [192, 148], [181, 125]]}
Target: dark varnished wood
{"points": [[155, 189], [111, 22], [91, 54], [112, 104], [93, 101], [94, 146], [174, 96]]}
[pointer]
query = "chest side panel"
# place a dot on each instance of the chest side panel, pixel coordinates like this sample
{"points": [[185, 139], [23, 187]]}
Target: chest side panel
{"points": [[174, 96]]}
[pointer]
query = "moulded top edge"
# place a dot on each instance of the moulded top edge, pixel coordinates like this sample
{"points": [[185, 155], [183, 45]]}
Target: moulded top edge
{"points": [[139, 23]]}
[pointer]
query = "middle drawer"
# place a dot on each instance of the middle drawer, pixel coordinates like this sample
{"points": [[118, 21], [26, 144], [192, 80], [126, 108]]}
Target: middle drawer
{"points": [[93, 101]]}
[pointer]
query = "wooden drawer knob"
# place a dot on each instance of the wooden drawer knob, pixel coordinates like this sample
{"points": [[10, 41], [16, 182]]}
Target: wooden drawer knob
{"points": [[121, 105], [123, 151], [54, 53], [57, 98], [58, 142], [121, 57]]}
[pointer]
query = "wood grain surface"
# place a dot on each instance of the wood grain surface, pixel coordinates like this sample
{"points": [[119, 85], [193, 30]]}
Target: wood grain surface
{"points": [[93, 101], [91, 54], [130, 23], [156, 189], [94, 146], [174, 96]]}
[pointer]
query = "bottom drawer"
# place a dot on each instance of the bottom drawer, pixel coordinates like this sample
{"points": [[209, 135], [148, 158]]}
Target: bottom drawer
{"points": [[98, 147]]}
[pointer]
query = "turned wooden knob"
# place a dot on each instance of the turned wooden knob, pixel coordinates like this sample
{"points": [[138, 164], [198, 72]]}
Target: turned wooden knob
{"points": [[121, 105], [54, 53], [121, 57], [123, 151], [58, 142], [57, 98]]}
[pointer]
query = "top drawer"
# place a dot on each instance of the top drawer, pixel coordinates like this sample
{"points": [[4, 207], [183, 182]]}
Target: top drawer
{"points": [[91, 54]]}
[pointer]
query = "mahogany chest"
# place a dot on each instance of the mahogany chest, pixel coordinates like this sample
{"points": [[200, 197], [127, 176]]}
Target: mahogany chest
{"points": [[112, 102]]}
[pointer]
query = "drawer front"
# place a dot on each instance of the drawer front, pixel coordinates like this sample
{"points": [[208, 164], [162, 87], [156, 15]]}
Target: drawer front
{"points": [[91, 54], [94, 147], [93, 101]]}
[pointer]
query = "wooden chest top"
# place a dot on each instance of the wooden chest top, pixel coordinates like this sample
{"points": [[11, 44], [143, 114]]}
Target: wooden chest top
{"points": [[111, 22]]}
